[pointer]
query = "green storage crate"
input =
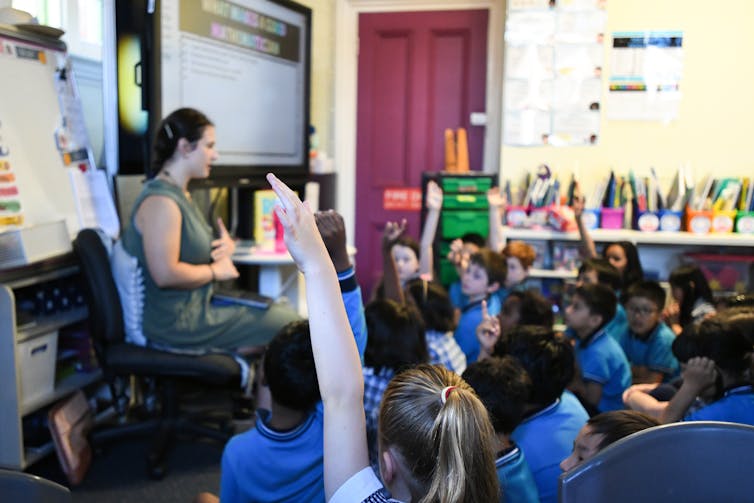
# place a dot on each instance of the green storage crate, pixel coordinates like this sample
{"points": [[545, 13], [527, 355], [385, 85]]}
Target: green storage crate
{"points": [[466, 184], [448, 273], [457, 223], [465, 202]]}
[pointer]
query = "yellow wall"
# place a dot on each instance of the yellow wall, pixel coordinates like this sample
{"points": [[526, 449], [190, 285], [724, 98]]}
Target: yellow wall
{"points": [[714, 129]]}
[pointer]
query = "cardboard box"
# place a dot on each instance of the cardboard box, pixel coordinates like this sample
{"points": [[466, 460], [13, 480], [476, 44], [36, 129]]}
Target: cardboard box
{"points": [[35, 360]]}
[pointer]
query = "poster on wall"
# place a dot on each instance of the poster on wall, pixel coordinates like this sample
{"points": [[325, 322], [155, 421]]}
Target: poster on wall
{"points": [[645, 75], [553, 72]]}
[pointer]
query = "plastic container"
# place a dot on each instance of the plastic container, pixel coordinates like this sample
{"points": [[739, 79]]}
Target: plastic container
{"points": [[722, 221], [466, 184], [698, 222], [591, 218], [726, 273], [612, 218], [36, 362], [516, 216], [457, 223], [648, 221], [670, 221], [464, 202], [745, 222], [538, 216]]}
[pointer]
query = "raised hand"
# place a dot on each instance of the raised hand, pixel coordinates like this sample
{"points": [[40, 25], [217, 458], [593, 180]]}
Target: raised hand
{"points": [[302, 238], [333, 231], [700, 373], [487, 332], [224, 246], [392, 231], [495, 198], [578, 205], [434, 196]]}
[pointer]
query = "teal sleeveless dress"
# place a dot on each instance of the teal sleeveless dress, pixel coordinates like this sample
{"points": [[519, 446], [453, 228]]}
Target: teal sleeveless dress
{"points": [[186, 318]]}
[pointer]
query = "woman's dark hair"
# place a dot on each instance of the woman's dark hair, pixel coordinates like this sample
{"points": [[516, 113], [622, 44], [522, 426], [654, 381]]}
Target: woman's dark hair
{"points": [[396, 336], [617, 424], [433, 303], [690, 279], [633, 271], [187, 123]]}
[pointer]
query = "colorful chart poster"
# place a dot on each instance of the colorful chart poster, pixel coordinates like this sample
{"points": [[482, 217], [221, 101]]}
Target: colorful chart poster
{"points": [[645, 75]]}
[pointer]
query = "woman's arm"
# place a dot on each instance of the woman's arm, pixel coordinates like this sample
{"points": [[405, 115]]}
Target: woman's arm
{"points": [[158, 219], [426, 251], [335, 355]]}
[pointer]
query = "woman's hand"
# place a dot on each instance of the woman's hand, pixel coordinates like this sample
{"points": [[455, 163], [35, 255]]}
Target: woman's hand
{"points": [[302, 237], [224, 246], [223, 269]]}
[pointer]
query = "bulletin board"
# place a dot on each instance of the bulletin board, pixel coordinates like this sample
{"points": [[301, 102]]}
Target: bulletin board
{"points": [[554, 57]]}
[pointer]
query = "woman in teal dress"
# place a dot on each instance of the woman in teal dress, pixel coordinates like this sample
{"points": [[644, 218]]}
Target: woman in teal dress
{"points": [[175, 248]]}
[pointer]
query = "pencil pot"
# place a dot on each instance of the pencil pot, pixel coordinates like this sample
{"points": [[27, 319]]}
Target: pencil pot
{"points": [[698, 222], [722, 221], [538, 216], [670, 220], [515, 216], [647, 221], [745, 222], [612, 218], [591, 218]]}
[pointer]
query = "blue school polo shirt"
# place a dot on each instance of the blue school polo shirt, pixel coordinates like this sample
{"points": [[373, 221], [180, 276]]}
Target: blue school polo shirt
{"points": [[516, 481], [655, 352], [547, 437], [471, 316], [736, 406], [602, 360]]}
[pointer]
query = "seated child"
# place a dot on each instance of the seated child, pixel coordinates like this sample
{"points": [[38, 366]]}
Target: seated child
{"points": [[481, 279], [395, 342], [437, 312], [602, 430], [647, 342], [600, 270], [503, 386], [519, 257], [605, 372], [280, 459], [460, 252], [552, 416], [692, 298], [722, 364]]}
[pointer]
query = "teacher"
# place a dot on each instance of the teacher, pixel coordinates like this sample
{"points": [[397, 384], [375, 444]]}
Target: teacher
{"points": [[174, 246]]}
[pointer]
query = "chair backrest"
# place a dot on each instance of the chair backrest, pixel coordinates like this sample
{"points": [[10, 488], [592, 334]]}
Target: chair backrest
{"points": [[689, 461], [20, 486], [105, 313]]}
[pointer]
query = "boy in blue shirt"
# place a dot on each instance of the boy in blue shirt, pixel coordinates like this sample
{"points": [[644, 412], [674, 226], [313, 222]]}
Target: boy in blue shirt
{"points": [[600, 270], [647, 342], [552, 416], [482, 277], [605, 372], [503, 386], [281, 458]]}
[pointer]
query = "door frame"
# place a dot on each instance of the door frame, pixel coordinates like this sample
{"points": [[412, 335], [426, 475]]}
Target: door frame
{"points": [[346, 82]]}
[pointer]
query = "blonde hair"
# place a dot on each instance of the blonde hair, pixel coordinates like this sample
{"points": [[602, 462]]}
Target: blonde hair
{"points": [[524, 252], [447, 447]]}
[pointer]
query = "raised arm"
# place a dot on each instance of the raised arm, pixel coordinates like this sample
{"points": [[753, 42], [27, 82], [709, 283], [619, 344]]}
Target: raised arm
{"points": [[497, 205], [335, 355], [426, 252], [391, 283], [587, 243]]}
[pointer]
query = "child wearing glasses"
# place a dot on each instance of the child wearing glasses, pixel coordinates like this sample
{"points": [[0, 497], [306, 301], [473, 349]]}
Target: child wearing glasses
{"points": [[648, 340]]}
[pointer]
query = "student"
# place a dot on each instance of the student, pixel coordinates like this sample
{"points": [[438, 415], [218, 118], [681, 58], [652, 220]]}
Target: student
{"points": [[723, 363], [692, 298], [519, 257], [481, 279], [603, 430], [623, 255], [553, 416], [647, 342], [600, 270], [176, 251], [460, 252], [280, 459], [436, 310], [396, 342], [605, 372], [427, 413], [503, 386]]}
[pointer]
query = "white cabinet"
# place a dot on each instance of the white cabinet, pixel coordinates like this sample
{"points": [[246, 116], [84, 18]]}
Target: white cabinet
{"points": [[28, 354]]}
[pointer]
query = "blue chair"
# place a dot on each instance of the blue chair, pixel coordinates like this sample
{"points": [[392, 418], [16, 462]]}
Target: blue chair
{"points": [[697, 461], [20, 486]]}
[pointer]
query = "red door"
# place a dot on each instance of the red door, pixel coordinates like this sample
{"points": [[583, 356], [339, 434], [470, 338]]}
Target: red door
{"points": [[419, 73]]}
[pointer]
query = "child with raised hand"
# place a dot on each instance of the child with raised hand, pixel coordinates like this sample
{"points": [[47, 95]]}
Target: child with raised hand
{"points": [[504, 387], [692, 298], [461, 250], [435, 436], [647, 341], [605, 372]]}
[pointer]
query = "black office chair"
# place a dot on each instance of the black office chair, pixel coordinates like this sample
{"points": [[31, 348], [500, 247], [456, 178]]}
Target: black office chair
{"points": [[695, 461], [119, 359], [20, 486]]}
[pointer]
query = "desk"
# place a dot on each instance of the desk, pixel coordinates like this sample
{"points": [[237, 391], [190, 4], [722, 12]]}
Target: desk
{"points": [[278, 274]]}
